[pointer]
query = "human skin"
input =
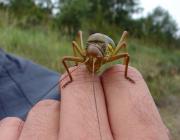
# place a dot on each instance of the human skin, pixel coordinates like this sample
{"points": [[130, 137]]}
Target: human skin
{"points": [[126, 111]]}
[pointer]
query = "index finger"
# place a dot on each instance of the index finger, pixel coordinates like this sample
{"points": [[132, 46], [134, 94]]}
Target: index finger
{"points": [[83, 111]]}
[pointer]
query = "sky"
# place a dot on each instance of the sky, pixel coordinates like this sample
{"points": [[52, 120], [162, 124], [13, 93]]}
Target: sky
{"points": [[172, 6]]}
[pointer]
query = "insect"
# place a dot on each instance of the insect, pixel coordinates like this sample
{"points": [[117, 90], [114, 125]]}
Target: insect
{"points": [[100, 49]]}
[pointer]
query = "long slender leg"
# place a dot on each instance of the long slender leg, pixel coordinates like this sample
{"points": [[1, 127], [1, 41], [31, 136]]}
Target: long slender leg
{"points": [[70, 58], [81, 39], [127, 58], [75, 54], [123, 37], [121, 44], [78, 49], [119, 56], [119, 47]]}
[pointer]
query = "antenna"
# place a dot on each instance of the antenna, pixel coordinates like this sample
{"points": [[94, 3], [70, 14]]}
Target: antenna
{"points": [[93, 75]]}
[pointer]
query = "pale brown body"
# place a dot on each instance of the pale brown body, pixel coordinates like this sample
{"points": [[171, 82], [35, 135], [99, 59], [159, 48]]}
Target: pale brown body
{"points": [[98, 52]]}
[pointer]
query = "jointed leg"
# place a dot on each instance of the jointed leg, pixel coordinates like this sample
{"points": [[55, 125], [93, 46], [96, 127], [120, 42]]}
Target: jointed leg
{"points": [[126, 62], [77, 48], [126, 59], [119, 47], [123, 37], [121, 44], [81, 39], [74, 52], [70, 58]]}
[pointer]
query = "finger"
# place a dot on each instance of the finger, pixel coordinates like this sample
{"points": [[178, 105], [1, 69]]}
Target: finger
{"points": [[42, 122], [131, 109], [10, 128], [80, 118]]}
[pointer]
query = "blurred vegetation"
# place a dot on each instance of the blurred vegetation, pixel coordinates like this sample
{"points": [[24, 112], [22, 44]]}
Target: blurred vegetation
{"points": [[110, 17], [42, 30]]}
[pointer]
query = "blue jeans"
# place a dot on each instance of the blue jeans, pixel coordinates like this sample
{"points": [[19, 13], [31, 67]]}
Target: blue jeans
{"points": [[24, 83]]}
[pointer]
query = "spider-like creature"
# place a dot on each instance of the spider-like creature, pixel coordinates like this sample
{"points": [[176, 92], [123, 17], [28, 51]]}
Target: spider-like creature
{"points": [[100, 49]]}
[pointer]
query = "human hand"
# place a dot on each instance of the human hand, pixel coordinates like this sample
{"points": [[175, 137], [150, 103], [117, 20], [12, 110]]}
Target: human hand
{"points": [[125, 110]]}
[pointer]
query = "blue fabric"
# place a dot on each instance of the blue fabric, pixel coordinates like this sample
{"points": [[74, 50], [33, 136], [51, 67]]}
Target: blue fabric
{"points": [[24, 83]]}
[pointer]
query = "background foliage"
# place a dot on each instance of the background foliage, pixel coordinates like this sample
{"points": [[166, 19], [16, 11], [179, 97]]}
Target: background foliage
{"points": [[42, 30]]}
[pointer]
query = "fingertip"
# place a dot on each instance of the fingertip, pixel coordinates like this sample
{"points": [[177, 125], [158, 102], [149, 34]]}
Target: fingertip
{"points": [[42, 121], [80, 101], [80, 75], [10, 128], [10, 121], [119, 69], [65, 74]]}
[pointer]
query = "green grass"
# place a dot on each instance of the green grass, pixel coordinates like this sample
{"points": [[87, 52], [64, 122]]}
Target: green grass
{"points": [[44, 48], [160, 67]]}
